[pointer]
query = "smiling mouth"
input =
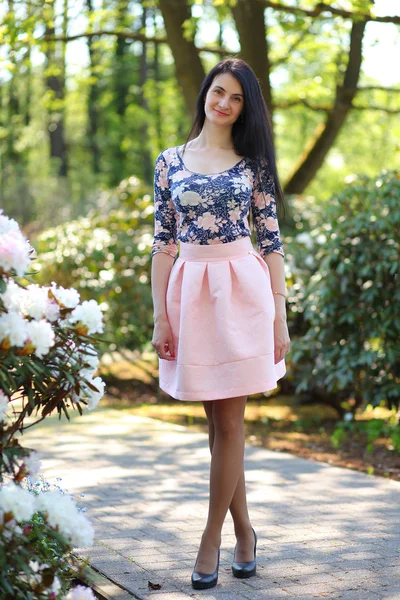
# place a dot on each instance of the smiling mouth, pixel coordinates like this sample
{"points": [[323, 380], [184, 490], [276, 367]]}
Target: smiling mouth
{"points": [[220, 113]]}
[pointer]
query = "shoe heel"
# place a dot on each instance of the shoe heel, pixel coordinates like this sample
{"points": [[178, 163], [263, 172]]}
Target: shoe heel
{"points": [[204, 581], [244, 570]]}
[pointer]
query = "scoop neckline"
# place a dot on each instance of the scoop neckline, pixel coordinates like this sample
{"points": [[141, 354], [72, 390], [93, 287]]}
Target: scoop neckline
{"points": [[207, 174]]}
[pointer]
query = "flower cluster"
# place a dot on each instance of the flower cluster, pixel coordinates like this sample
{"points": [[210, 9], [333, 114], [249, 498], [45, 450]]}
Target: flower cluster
{"points": [[46, 359], [30, 314], [4, 400], [48, 322], [35, 577], [18, 505], [15, 251], [80, 593]]}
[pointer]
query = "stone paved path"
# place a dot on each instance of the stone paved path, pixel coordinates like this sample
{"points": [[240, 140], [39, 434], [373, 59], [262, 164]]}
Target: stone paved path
{"points": [[324, 532]]}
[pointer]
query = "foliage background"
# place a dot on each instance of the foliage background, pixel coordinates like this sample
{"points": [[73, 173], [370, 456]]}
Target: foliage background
{"points": [[91, 92]]}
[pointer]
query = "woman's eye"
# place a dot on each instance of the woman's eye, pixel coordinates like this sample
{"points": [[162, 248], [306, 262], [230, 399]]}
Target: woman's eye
{"points": [[237, 99]]}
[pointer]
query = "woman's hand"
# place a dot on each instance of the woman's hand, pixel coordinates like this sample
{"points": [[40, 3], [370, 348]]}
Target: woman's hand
{"points": [[281, 338], [162, 339]]}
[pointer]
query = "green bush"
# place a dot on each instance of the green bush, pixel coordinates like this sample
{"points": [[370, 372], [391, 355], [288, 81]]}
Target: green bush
{"points": [[107, 257], [370, 430], [351, 303]]}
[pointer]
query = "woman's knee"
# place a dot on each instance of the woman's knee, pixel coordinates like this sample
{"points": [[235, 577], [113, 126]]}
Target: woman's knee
{"points": [[228, 417]]}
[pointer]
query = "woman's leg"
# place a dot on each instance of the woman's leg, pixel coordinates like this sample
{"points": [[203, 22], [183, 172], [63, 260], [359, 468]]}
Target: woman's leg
{"points": [[226, 467], [238, 505]]}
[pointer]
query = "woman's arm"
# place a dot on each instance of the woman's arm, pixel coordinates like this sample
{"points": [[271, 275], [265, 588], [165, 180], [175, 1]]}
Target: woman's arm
{"points": [[275, 263], [163, 252], [160, 270], [276, 267], [263, 204]]}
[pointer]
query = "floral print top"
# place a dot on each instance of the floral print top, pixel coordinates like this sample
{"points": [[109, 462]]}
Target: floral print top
{"points": [[213, 208]]}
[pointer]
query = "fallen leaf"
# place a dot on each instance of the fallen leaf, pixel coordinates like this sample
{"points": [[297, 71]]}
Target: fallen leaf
{"points": [[154, 586]]}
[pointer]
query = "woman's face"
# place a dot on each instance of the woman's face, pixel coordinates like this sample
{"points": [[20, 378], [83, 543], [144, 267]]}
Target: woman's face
{"points": [[224, 100]]}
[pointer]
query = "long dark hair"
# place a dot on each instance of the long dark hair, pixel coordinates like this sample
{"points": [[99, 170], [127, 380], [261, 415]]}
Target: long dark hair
{"points": [[252, 131]]}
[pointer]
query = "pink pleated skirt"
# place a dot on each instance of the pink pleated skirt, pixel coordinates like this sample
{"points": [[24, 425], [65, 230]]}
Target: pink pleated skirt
{"points": [[221, 310]]}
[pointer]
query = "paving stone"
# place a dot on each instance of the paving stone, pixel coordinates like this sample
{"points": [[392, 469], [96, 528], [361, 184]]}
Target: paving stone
{"points": [[269, 594], [298, 594], [393, 594], [323, 531], [361, 595], [166, 596]]}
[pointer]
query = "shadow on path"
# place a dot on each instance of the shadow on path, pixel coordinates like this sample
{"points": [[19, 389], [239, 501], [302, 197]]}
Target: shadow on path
{"points": [[324, 532]]}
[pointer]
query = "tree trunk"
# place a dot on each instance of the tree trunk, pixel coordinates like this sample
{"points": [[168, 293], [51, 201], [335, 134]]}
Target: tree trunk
{"points": [[121, 88], [92, 102], [55, 83], [144, 130], [121, 82], [15, 196], [13, 100], [156, 75], [250, 24], [189, 69], [325, 135], [28, 83]]}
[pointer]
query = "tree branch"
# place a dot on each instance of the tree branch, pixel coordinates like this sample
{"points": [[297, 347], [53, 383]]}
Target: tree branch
{"points": [[128, 35], [327, 109], [325, 134], [379, 88], [322, 7], [304, 102], [389, 111]]}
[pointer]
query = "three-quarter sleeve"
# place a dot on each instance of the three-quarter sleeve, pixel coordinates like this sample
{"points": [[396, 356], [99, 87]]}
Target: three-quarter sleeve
{"points": [[263, 207], [165, 214]]}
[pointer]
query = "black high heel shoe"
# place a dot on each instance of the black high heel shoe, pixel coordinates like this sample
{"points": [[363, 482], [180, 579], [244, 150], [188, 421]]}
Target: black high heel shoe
{"points": [[203, 581], [242, 570]]}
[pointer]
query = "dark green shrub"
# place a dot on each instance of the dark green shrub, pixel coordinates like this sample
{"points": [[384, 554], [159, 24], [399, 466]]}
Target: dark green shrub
{"points": [[351, 303]]}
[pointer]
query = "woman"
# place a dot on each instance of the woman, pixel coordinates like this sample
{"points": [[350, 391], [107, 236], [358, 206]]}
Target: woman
{"points": [[219, 309]]}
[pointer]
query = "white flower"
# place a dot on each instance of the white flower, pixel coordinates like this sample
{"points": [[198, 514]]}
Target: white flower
{"points": [[32, 464], [33, 301], [12, 297], [13, 326], [87, 356], [309, 261], [306, 239], [348, 416], [67, 298], [92, 397], [63, 514], [80, 593], [7, 224], [36, 567], [41, 336], [55, 586], [35, 577], [95, 397], [14, 252], [89, 314], [37, 304], [15, 499], [11, 529], [4, 400], [52, 312]]}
